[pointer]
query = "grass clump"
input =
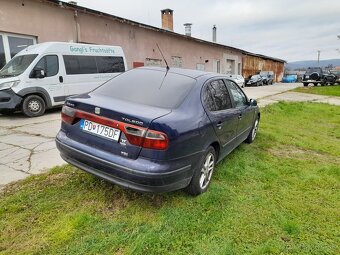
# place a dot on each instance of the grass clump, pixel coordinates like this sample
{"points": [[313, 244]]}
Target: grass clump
{"points": [[323, 90]]}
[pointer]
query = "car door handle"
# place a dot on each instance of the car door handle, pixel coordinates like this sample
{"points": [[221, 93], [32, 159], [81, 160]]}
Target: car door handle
{"points": [[61, 79], [219, 124]]}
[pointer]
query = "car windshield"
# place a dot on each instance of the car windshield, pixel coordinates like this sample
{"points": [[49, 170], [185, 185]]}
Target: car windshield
{"points": [[17, 65], [254, 77], [149, 87]]}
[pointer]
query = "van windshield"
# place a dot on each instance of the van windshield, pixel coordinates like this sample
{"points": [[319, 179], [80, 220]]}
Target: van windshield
{"points": [[17, 65]]}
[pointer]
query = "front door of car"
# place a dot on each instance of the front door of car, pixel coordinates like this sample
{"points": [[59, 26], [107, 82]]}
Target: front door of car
{"points": [[222, 114], [247, 112]]}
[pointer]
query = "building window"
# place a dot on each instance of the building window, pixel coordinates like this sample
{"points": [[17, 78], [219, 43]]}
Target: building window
{"points": [[153, 62], [200, 66], [176, 61], [11, 44], [217, 66]]}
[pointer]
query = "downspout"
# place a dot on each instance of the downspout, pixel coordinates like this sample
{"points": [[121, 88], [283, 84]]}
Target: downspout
{"points": [[77, 26]]}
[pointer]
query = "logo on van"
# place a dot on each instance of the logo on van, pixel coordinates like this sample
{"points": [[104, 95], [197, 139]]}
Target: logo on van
{"points": [[91, 49], [97, 110]]}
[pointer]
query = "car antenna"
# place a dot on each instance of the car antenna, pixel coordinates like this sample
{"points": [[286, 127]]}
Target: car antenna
{"points": [[167, 66]]}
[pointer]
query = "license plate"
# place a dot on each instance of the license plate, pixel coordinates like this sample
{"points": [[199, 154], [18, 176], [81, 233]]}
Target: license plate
{"points": [[100, 130]]}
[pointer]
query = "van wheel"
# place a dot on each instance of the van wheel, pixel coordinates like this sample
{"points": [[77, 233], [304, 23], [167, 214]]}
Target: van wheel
{"points": [[202, 176], [253, 132], [33, 106]]}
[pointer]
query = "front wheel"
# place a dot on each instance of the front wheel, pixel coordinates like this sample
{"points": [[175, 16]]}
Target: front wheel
{"points": [[253, 132], [33, 106], [202, 176]]}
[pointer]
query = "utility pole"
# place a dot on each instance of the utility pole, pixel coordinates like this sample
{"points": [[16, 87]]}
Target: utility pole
{"points": [[319, 57]]}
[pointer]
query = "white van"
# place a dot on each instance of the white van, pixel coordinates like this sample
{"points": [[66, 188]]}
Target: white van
{"points": [[42, 76]]}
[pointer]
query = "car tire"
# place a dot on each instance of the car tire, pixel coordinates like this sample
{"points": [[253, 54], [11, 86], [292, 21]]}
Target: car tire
{"points": [[33, 106], [305, 84], [202, 176], [253, 132], [315, 84]]}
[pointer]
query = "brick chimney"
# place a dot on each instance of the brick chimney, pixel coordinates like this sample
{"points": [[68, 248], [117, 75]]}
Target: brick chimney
{"points": [[167, 19]]}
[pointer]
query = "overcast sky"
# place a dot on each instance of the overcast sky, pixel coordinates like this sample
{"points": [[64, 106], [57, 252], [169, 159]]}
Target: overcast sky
{"points": [[288, 29]]}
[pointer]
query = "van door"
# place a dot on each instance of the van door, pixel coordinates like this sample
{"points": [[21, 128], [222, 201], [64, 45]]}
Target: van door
{"points": [[45, 76]]}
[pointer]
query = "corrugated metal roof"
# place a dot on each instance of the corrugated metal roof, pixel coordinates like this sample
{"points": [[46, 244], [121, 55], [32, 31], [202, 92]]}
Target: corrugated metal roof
{"points": [[145, 26]]}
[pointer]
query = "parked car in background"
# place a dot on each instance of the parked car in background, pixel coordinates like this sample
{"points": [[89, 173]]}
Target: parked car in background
{"points": [[267, 77], [238, 79], [255, 80], [336, 74], [289, 78], [43, 75], [316, 75], [157, 130]]}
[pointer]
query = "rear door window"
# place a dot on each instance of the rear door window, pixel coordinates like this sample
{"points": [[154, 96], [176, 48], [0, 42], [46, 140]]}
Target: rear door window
{"points": [[216, 96], [80, 64], [107, 64]]}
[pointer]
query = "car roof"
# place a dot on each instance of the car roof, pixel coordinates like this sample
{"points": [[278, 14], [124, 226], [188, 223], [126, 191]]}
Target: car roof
{"points": [[186, 72]]}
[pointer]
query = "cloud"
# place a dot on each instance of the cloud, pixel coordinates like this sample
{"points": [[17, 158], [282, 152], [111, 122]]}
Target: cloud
{"points": [[287, 29]]}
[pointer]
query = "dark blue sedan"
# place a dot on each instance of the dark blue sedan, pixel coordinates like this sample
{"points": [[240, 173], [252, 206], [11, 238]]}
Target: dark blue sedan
{"points": [[157, 130]]}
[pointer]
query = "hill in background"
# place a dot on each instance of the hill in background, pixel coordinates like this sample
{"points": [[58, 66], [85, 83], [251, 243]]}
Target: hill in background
{"points": [[312, 63]]}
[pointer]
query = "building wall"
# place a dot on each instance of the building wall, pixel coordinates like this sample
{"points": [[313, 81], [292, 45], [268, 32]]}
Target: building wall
{"points": [[49, 22], [253, 65]]}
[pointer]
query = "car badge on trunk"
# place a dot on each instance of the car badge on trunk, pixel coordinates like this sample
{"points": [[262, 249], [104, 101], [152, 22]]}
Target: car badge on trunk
{"points": [[97, 110]]}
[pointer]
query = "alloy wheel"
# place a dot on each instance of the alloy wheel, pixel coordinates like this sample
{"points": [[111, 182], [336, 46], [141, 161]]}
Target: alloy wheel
{"points": [[207, 170], [254, 131]]}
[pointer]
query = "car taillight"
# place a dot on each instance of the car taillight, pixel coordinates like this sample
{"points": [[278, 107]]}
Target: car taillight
{"points": [[155, 140], [68, 114], [147, 139]]}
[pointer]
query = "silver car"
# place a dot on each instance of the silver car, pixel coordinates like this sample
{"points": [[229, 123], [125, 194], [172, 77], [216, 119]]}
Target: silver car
{"points": [[238, 79]]}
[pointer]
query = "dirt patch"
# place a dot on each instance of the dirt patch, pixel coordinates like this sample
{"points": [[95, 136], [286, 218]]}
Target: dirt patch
{"points": [[299, 153]]}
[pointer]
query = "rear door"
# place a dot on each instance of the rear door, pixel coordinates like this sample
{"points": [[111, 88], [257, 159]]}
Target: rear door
{"points": [[246, 112], [223, 116]]}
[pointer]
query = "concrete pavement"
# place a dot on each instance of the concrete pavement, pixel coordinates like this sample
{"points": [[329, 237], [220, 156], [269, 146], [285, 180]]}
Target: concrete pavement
{"points": [[27, 144]]}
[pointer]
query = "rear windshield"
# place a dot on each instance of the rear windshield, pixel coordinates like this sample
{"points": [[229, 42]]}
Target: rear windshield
{"points": [[149, 87], [313, 70]]}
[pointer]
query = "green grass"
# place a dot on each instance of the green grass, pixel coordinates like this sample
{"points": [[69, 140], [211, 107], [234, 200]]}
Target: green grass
{"points": [[279, 195], [323, 90]]}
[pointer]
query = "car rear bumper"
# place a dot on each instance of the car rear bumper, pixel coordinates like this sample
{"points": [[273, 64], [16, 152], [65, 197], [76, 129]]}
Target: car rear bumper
{"points": [[135, 174], [9, 100]]}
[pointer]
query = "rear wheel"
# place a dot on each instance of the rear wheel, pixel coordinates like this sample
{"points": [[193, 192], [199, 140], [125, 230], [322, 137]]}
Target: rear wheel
{"points": [[202, 176], [33, 106]]}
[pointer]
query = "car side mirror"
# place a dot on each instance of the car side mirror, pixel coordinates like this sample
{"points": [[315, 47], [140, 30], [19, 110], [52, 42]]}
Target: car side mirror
{"points": [[252, 102], [39, 73]]}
